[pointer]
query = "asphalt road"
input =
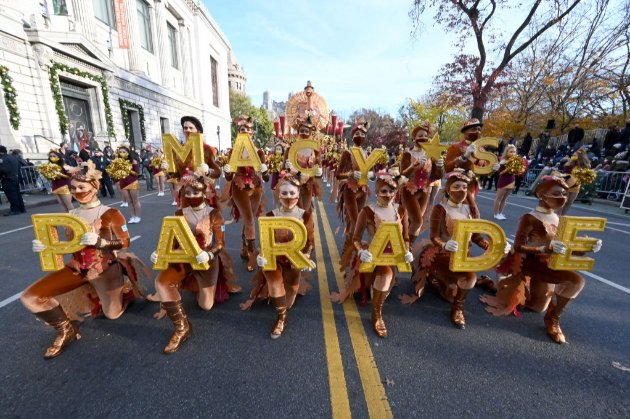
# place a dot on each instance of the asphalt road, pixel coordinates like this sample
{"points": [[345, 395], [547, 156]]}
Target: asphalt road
{"points": [[328, 362]]}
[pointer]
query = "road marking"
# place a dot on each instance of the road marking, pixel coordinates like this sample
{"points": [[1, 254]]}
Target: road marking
{"points": [[375, 396], [530, 208], [339, 400], [31, 225], [597, 277], [16, 296]]}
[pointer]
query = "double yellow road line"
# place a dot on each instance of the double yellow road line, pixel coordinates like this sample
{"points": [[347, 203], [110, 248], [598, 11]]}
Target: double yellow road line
{"points": [[375, 396]]}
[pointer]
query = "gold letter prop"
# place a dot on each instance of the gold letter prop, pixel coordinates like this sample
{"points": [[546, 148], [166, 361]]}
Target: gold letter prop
{"points": [[433, 148], [388, 232], [45, 226], [242, 143], [295, 149], [491, 158], [567, 234], [270, 249], [173, 149], [462, 232], [175, 228], [365, 165]]}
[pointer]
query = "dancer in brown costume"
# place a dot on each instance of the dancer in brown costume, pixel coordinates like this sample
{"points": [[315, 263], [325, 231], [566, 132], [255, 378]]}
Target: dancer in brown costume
{"points": [[97, 269], [59, 180], [534, 243]]}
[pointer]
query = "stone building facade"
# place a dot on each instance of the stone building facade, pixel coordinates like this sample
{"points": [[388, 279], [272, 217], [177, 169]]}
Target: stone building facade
{"points": [[111, 71]]}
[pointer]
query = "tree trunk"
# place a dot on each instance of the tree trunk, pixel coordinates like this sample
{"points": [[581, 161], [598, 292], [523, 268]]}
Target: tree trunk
{"points": [[477, 112]]}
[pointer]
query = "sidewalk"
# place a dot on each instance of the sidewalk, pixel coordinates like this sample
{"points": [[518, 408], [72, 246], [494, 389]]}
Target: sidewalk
{"points": [[31, 200]]}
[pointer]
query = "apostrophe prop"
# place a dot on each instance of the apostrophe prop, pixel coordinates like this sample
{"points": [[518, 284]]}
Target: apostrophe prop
{"points": [[244, 143], [433, 148], [567, 234], [480, 154], [270, 249], [365, 165], [461, 261], [45, 226], [173, 149], [388, 233], [294, 152], [176, 229]]}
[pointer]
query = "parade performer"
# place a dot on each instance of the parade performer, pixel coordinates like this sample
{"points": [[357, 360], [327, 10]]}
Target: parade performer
{"points": [[124, 169], [461, 155], [527, 267], [352, 197], [579, 169], [421, 170], [275, 162], [199, 208], [282, 285], [511, 165], [381, 280], [157, 170], [308, 158], [210, 167], [94, 279], [433, 262], [245, 194], [334, 164], [56, 172]]}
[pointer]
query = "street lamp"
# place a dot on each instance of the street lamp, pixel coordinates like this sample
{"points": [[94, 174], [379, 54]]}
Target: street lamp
{"points": [[219, 136]]}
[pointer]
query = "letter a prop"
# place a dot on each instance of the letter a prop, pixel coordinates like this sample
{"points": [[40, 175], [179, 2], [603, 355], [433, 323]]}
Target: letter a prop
{"points": [[175, 229], [365, 165], [491, 158], [270, 249], [461, 261], [388, 233], [173, 149], [567, 234], [295, 149], [242, 143], [45, 226]]}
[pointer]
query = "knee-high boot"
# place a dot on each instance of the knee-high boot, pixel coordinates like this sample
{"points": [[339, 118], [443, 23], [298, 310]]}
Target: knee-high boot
{"points": [[457, 309], [66, 331], [280, 303], [378, 299], [552, 319], [175, 312]]}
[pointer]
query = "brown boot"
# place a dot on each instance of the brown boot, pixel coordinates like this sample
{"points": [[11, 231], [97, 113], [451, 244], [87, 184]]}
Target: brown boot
{"points": [[66, 331], [280, 303], [251, 254], [244, 255], [378, 299], [175, 312], [552, 319], [457, 309]]}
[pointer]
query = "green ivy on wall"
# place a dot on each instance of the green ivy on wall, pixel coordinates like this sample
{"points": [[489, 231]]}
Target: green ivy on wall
{"points": [[9, 97], [124, 104], [56, 89]]}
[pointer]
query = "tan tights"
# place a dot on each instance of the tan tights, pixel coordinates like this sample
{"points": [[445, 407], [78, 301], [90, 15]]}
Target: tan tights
{"points": [[168, 279]]}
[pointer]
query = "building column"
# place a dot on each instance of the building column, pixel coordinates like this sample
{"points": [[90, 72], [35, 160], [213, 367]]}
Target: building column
{"points": [[163, 47], [84, 16], [133, 52], [183, 41]]}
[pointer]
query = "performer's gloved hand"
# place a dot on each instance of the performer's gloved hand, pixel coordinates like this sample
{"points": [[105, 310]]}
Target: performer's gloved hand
{"points": [[263, 168], [164, 165], [288, 165], [470, 150], [371, 175], [89, 239], [227, 169], [202, 257], [451, 246], [38, 246], [154, 257], [440, 162], [408, 257], [311, 267], [597, 246], [365, 255], [421, 162], [261, 261], [558, 247], [203, 168], [319, 172], [507, 248], [356, 174], [496, 167]]}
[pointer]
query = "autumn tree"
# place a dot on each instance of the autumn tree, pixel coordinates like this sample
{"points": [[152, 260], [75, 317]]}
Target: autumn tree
{"points": [[263, 127], [447, 115], [477, 75], [384, 129]]}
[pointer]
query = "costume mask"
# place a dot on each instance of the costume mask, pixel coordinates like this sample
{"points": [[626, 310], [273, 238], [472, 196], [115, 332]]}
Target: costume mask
{"points": [[288, 196]]}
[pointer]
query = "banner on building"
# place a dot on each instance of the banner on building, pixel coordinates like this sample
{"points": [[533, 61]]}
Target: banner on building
{"points": [[121, 24]]}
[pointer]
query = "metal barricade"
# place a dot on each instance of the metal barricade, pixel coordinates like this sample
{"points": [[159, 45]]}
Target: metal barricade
{"points": [[611, 185], [31, 180], [530, 177]]}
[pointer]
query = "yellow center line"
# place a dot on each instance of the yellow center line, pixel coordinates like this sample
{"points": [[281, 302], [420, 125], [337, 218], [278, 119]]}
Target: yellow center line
{"points": [[375, 396], [339, 401]]}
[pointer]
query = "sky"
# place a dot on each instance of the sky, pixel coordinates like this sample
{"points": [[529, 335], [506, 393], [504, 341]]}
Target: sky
{"points": [[357, 54]]}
